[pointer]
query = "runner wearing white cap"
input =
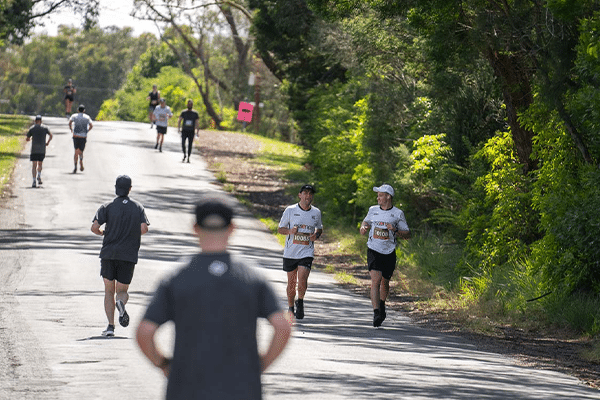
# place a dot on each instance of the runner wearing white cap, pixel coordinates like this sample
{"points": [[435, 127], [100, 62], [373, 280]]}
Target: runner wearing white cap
{"points": [[384, 222]]}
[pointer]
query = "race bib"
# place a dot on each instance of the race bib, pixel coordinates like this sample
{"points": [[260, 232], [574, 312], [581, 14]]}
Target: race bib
{"points": [[302, 238], [154, 102], [188, 122], [382, 234], [162, 117]]}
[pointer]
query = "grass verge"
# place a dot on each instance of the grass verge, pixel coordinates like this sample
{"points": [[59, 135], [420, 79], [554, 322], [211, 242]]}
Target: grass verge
{"points": [[12, 129]]}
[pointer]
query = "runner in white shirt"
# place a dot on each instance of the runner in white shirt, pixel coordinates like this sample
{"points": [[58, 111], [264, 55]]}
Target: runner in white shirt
{"points": [[160, 117], [302, 224], [384, 222]]}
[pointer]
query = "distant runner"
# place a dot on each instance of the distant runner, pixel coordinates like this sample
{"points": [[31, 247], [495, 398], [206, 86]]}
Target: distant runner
{"points": [[191, 126], [70, 91], [154, 97], [80, 124], [161, 117], [38, 147]]}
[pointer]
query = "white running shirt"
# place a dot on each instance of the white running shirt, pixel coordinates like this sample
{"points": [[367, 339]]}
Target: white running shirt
{"points": [[81, 123], [298, 246], [162, 115], [380, 238]]}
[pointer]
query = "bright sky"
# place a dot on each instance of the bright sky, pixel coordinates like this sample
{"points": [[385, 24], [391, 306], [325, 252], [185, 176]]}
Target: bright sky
{"points": [[112, 12]]}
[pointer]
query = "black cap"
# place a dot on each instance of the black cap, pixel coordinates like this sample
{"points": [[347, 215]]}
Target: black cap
{"points": [[81, 107], [214, 213], [123, 185], [307, 187], [38, 117]]}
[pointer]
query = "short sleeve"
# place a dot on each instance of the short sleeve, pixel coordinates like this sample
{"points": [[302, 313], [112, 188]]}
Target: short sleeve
{"points": [[401, 224], [143, 217], [285, 219], [268, 303], [158, 310], [100, 215]]}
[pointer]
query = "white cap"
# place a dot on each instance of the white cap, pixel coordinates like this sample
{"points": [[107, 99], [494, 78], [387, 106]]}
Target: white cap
{"points": [[385, 188]]}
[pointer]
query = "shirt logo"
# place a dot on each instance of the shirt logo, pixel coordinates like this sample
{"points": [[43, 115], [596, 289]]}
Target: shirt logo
{"points": [[217, 268], [125, 201]]}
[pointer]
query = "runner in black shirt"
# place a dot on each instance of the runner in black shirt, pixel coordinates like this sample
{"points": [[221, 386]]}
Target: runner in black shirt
{"points": [[154, 97], [190, 128], [126, 222], [69, 96], [38, 147]]}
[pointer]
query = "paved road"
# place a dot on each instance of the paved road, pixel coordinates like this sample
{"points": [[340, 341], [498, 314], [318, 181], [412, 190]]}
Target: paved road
{"points": [[51, 303]]}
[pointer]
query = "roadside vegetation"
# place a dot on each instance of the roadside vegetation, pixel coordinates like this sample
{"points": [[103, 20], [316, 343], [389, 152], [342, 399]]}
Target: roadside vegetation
{"points": [[12, 130]]}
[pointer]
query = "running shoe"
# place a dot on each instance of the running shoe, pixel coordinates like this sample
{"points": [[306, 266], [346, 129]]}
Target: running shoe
{"points": [[156, 146], [299, 309], [39, 179], [123, 316], [183, 159], [75, 169], [377, 320], [160, 149], [109, 331], [33, 185], [81, 166], [382, 312], [188, 159]]}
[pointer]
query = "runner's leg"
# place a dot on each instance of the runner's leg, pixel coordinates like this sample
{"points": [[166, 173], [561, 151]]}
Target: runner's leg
{"points": [[109, 300], [303, 274], [291, 286]]}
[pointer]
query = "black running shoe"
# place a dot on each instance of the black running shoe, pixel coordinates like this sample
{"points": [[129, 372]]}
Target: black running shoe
{"points": [[377, 320], [156, 146], [109, 331], [183, 159], [39, 179], [299, 309], [123, 316]]}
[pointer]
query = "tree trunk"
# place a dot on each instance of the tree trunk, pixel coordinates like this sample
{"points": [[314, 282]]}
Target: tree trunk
{"points": [[515, 80]]}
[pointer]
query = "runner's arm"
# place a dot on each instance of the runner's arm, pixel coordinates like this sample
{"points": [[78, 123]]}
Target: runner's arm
{"points": [[282, 324], [144, 228], [145, 339], [96, 228]]}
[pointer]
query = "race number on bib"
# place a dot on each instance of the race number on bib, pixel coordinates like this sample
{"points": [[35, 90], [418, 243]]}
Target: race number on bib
{"points": [[382, 234], [301, 238]]}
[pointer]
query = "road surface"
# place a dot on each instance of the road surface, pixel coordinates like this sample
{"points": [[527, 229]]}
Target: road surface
{"points": [[51, 300]]}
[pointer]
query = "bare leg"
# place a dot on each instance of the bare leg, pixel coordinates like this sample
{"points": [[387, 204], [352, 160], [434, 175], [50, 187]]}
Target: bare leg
{"points": [[109, 300], [303, 274], [291, 286], [122, 292], [376, 282]]}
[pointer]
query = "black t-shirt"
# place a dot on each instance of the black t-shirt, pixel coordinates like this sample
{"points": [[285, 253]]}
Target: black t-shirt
{"points": [[189, 118], [153, 98], [38, 143], [122, 234], [214, 301]]}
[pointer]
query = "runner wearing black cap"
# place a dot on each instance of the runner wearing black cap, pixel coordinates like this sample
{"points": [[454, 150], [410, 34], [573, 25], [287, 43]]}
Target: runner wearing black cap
{"points": [[302, 224], [38, 147], [80, 124], [383, 222], [214, 300], [126, 222]]}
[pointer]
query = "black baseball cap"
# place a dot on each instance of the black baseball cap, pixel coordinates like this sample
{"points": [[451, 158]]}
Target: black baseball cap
{"points": [[81, 107], [307, 187], [214, 213], [123, 185], [38, 117]]}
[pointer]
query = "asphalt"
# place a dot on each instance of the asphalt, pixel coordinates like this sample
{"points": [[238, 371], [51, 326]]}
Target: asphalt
{"points": [[51, 300]]}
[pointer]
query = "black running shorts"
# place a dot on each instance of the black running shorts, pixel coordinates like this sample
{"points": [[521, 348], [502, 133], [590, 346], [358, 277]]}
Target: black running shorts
{"points": [[69, 97], [79, 143], [122, 271], [386, 263], [161, 129], [290, 264], [37, 157]]}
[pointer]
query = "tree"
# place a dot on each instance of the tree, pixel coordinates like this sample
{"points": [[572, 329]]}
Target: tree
{"points": [[17, 17], [190, 29]]}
